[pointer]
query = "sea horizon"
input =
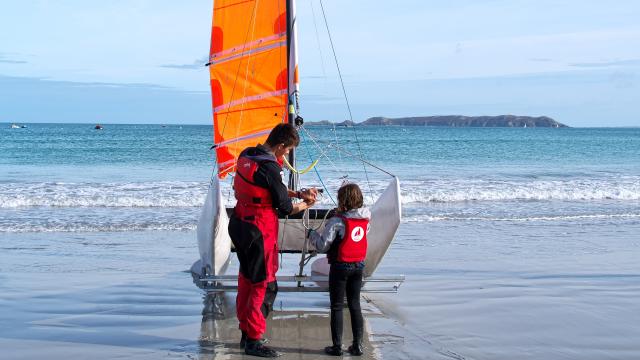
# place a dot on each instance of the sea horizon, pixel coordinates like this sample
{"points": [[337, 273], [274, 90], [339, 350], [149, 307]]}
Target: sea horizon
{"points": [[333, 121]]}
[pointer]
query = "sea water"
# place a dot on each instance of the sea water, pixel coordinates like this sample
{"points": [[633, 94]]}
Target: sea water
{"points": [[69, 178], [514, 241]]}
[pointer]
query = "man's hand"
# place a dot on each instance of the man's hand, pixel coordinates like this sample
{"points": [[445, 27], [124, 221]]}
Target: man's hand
{"points": [[309, 195]]}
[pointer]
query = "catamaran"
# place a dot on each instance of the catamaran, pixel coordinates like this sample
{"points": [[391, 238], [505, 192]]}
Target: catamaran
{"points": [[253, 68]]}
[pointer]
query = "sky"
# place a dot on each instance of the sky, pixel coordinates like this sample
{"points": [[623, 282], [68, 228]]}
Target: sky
{"points": [[141, 61]]}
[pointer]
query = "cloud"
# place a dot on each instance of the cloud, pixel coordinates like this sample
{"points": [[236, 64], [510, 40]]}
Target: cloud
{"points": [[141, 86], [196, 65], [5, 60], [629, 62], [44, 100]]}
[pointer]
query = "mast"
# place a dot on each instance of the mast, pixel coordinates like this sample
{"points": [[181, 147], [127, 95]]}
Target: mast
{"points": [[292, 78]]}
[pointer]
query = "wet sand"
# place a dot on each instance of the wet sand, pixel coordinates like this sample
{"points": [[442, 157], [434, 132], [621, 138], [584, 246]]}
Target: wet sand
{"points": [[98, 296], [509, 290], [160, 318]]}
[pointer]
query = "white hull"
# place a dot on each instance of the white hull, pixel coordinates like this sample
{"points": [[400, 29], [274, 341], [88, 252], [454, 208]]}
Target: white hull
{"points": [[214, 242], [215, 245]]}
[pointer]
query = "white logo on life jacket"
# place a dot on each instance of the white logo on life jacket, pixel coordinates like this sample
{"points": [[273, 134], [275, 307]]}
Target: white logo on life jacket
{"points": [[357, 233]]}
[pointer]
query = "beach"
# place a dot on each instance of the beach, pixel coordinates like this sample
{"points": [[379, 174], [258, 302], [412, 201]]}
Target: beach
{"points": [[514, 243], [82, 304], [103, 296]]}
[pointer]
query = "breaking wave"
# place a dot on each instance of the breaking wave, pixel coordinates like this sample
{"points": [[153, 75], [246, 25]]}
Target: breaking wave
{"points": [[150, 194], [482, 190], [73, 227], [191, 194], [555, 218]]}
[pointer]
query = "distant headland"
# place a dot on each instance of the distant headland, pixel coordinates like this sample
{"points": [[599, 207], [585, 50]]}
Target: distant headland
{"points": [[453, 121]]}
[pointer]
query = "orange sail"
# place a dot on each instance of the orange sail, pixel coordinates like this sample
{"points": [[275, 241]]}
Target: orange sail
{"points": [[249, 74]]}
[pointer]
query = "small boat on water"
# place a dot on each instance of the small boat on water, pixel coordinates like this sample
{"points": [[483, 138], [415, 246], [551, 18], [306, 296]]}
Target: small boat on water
{"points": [[98, 127], [16, 126]]}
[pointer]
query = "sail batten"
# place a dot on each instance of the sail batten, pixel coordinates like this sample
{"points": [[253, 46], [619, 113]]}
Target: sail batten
{"points": [[250, 45], [249, 74], [217, 59], [248, 99]]}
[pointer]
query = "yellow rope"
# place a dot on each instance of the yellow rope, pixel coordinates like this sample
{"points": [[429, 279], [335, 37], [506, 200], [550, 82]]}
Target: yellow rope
{"points": [[286, 163]]}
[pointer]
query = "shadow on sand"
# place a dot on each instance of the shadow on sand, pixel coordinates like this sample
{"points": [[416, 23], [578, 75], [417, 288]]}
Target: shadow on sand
{"points": [[298, 334]]}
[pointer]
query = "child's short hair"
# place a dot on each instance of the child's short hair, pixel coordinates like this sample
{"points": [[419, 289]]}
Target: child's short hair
{"points": [[350, 197]]}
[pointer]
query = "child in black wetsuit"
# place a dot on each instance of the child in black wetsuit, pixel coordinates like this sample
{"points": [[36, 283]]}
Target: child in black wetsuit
{"points": [[344, 239]]}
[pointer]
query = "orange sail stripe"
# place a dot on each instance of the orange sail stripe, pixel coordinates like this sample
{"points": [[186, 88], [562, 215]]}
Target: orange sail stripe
{"points": [[248, 73]]}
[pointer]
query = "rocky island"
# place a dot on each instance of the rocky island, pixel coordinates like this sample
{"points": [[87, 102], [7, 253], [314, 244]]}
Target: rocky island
{"points": [[455, 121]]}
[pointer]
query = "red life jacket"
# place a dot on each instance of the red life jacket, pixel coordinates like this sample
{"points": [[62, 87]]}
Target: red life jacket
{"points": [[353, 247], [247, 192], [254, 206]]}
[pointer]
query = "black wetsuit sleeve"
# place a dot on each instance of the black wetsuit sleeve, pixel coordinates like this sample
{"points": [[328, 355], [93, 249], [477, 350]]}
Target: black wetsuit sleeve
{"points": [[268, 176]]}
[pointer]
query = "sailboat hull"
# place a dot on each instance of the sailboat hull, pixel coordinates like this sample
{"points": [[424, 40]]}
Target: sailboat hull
{"points": [[215, 244]]}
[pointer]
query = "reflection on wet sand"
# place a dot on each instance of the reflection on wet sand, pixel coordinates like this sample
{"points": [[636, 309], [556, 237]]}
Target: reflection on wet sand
{"points": [[298, 334]]}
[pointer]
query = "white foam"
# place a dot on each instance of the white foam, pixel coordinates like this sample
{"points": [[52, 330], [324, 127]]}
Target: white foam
{"points": [[166, 194], [74, 227], [149, 194], [540, 190], [433, 218]]}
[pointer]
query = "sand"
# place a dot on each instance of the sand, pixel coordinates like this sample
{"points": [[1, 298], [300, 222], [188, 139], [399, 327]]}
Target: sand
{"points": [[494, 292], [106, 296]]}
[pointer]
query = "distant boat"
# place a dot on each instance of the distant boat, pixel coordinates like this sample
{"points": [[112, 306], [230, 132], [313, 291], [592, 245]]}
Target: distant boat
{"points": [[16, 126], [98, 127]]}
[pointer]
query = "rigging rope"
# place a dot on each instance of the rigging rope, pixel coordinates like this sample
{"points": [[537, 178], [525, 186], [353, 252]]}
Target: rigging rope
{"points": [[338, 148], [342, 150], [335, 57], [315, 25], [317, 172], [300, 172], [322, 152]]}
